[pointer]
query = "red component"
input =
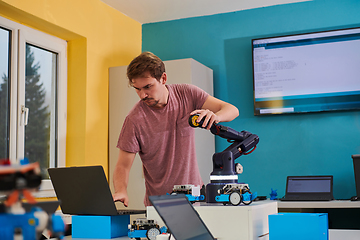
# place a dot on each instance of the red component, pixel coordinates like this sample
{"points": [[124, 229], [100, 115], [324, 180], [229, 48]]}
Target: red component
{"points": [[250, 151], [12, 198], [4, 161], [217, 129], [28, 196]]}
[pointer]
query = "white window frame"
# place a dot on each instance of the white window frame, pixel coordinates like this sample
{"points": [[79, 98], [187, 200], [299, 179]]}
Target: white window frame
{"points": [[20, 35]]}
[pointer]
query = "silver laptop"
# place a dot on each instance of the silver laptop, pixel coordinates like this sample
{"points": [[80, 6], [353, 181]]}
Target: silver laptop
{"points": [[309, 188], [85, 191], [180, 217]]}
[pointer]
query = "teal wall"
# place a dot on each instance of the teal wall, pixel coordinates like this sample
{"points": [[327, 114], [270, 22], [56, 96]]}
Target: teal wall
{"points": [[301, 144]]}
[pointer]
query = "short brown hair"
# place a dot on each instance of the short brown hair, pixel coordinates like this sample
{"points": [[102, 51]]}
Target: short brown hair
{"points": [[145, 62]]}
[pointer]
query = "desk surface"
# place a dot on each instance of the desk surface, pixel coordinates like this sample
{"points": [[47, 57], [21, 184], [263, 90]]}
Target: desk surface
{"points": [[319, 204], [333, 235]]}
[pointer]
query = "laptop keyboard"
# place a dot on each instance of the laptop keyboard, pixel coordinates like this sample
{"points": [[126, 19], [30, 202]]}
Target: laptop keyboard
{"points": [[130, 211], [306, 199]]}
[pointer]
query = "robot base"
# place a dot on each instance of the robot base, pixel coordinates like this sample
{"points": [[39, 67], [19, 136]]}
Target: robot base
{"points": [[234, 193], [212, 191]]}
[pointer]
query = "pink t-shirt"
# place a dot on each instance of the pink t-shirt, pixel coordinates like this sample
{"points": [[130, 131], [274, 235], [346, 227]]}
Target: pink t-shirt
{"points": [[164, 140]]}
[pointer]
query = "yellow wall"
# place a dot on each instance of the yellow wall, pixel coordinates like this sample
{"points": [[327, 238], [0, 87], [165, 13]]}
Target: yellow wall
{"points": [[98, 37]]}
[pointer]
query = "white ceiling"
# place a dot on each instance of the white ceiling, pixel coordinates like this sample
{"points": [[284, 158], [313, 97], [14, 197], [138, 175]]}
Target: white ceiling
{"points": [[149, 11]]}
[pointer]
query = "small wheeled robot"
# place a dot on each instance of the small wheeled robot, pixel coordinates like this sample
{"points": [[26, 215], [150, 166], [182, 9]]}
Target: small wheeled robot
{"points": [[235, 193], [145, 228], [192, 192], [17, 182]]}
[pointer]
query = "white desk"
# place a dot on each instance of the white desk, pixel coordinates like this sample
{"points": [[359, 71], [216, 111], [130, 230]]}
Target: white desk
{"points": [[317, 204], [232, 222], [333, 235]]}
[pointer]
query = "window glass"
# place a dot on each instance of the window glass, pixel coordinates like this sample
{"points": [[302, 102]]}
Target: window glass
{"points": [[40, 96], [4, 93], [33, 98]]}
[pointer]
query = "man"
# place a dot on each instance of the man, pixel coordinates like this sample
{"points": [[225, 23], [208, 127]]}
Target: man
{"points": [[157, 128]]}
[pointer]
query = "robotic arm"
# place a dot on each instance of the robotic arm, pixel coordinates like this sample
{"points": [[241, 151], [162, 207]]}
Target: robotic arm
{"points": [[243, 142]]}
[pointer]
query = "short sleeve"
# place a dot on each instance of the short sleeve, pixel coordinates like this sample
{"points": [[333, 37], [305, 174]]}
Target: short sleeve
{"points": [[198, 95]]}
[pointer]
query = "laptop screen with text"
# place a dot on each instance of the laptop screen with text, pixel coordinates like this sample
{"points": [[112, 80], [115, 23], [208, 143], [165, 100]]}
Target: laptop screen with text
{"points": [[309, 185]]}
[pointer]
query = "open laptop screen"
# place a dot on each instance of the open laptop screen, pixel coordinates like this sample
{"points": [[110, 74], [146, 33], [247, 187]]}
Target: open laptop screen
{"points": [[85, 191], [180, 217], [309, 184], [309, 188], [356, 161]]}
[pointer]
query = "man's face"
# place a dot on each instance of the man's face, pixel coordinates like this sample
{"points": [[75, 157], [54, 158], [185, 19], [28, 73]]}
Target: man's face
{"points": [[150, 90]]}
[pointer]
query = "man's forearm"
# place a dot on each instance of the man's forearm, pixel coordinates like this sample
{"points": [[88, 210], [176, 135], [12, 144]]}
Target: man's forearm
{"points": [[122, 171], [120, 179], [227, 113]]}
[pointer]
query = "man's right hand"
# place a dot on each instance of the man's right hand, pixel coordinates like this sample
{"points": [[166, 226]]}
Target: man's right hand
{"points": [[122, 197]]}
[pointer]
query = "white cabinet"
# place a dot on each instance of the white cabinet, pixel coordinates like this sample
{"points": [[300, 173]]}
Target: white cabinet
{"points": [[122, 98]]}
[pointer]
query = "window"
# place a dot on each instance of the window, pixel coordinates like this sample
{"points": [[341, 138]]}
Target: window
{"points": [[4, 92], [33, 83]]}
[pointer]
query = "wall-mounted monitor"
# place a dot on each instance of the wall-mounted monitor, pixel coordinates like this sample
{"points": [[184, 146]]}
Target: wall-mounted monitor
{"points": [[310, 72]]}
